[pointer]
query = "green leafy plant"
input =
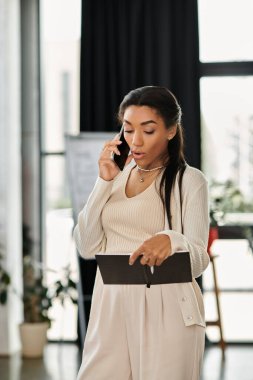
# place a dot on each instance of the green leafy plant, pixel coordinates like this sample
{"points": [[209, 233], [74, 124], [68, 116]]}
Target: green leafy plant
{"points": [[226, 197], [65, 288], [36, 296], [5, 280]]}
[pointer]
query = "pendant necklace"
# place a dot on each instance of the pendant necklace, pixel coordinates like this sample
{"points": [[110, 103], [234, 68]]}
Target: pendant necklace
{"points": [[139, 169]]}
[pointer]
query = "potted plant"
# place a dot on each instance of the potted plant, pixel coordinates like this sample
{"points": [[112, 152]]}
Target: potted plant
{"points": [[38, 299], [37, 303]]}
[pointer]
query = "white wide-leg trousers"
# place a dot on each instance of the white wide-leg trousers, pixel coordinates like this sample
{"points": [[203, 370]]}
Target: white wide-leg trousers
{"points": [[138, 333]]}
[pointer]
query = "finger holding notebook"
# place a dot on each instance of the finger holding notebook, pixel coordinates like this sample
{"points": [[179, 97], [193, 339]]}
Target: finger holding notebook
{"points": [[154, 251]]}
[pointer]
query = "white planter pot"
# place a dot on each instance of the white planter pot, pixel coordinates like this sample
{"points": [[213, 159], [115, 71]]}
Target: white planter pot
{"points": [[33, 338]]}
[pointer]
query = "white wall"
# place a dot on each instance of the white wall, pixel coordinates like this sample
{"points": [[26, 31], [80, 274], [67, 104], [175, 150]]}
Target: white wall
{"points": [[10, 169]]}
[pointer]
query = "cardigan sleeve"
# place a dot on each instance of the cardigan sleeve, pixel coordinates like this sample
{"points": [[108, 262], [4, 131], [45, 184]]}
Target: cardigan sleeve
{"points": [[88, 233], [196, 229]]}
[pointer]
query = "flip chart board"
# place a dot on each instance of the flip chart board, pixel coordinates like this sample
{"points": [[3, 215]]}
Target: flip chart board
{"points": [[82, 153]]}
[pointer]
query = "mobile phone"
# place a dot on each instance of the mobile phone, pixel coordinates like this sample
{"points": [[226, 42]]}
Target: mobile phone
{"points": [[120, 160]]}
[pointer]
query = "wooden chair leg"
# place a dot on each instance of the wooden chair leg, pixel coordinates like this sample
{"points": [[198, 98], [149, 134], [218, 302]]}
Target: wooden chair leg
{"points": [[217, 322]]}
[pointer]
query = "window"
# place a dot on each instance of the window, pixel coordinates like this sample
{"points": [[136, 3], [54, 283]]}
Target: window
{"points": [[225, 29], [227, 125], [60, 57], [226, 90]]}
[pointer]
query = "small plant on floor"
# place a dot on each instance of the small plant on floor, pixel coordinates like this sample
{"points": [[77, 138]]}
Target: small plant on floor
{"points": [[5, 280], [36, 297]]}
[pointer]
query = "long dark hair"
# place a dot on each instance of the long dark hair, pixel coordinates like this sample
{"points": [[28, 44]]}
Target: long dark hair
{"points": [[165, 103]]}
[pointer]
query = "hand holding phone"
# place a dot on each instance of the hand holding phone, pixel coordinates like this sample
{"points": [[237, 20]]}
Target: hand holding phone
{"points": [[124, 149]]}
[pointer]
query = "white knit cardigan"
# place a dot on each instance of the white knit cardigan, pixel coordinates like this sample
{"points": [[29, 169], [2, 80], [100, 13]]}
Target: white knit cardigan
{"points": [[90, 239]]}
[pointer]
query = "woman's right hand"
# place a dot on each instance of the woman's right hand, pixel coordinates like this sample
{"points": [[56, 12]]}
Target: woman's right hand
{"points": [[107, 167]]}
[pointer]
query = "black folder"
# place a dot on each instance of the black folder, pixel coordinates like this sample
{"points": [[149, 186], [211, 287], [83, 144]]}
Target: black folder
{"points": [[115, 269]]}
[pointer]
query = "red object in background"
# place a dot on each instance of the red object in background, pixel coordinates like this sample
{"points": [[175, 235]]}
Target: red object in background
{"points": [[213, 235]]}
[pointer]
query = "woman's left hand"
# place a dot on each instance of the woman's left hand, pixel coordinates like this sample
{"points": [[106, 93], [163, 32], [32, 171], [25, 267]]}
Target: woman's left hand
{"points": [[154, 251]]}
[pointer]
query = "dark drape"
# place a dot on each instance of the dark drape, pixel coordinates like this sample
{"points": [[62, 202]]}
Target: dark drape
{"points": [[131, 43]]}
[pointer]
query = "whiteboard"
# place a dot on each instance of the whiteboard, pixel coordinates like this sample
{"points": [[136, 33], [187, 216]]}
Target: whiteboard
{"points": [[82, 153]]}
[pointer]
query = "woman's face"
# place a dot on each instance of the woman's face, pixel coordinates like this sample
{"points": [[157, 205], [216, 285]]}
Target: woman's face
{"points": [[147, 136]]}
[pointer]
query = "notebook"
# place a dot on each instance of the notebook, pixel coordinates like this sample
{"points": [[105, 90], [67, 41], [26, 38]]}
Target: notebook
{"points": [[115, 269]]}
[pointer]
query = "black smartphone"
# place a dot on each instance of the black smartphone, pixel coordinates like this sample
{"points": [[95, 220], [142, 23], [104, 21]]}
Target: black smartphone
{"points": [[120, 160]]}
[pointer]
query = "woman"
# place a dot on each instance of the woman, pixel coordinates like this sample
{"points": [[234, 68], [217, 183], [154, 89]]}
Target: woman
{"points": [[135, 332]]}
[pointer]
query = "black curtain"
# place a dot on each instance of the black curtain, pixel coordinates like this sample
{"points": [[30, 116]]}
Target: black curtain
{"points": [[131, 43]]}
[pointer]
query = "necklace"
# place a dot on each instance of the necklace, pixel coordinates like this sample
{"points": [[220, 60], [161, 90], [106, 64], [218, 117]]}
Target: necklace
{"points": [[149, 170], [139, 169]]}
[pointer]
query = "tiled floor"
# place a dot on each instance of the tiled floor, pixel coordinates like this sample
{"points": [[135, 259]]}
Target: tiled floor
{"points": [[238, 364], [61, 362]]}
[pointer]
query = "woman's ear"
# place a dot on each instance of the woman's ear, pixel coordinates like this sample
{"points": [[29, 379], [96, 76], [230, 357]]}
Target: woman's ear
{"points": [[171, 132]]}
